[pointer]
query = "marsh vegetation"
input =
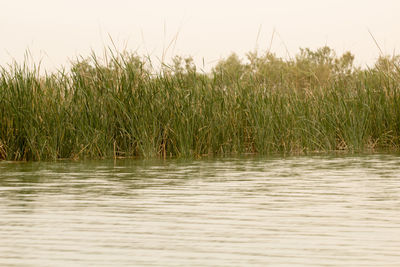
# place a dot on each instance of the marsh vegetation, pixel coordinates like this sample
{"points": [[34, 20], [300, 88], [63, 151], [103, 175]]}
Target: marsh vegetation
{"points": [[119, 106]]}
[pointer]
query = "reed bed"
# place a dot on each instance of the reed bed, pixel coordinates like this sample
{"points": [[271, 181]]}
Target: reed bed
{"points": [[118, 106]]}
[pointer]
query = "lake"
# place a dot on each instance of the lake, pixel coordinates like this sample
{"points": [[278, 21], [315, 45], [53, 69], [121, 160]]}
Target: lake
{"points": [[246, 211]]}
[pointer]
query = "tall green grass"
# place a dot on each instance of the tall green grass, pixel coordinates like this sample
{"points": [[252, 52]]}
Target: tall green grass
{"points": [[118, 106]]}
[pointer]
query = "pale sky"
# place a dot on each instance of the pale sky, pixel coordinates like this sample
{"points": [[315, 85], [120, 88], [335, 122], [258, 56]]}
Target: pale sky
{"points": [[56, 31]]}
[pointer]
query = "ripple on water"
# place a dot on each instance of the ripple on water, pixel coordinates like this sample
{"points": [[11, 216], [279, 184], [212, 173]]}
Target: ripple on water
{"points": [[315, 210]]}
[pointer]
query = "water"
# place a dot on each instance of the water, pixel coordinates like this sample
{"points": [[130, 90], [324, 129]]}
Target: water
{"points": [[305, 211]]}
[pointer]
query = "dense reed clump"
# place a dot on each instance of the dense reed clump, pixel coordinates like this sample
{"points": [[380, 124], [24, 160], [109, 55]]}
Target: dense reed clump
{"points": [[121, 107]]}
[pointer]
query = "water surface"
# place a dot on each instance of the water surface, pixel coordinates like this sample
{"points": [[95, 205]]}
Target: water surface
{"points": [[309, 210]]}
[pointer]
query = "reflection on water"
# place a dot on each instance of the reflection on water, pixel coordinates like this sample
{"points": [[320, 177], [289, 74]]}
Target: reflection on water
{"points": [[319, 210]]}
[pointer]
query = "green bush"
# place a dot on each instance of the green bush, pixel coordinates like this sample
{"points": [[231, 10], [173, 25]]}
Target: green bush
{"points": [[121, 107]]}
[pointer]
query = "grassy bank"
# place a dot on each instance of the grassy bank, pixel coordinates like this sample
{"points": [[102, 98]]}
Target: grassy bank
{"points": [[121, 107]]}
